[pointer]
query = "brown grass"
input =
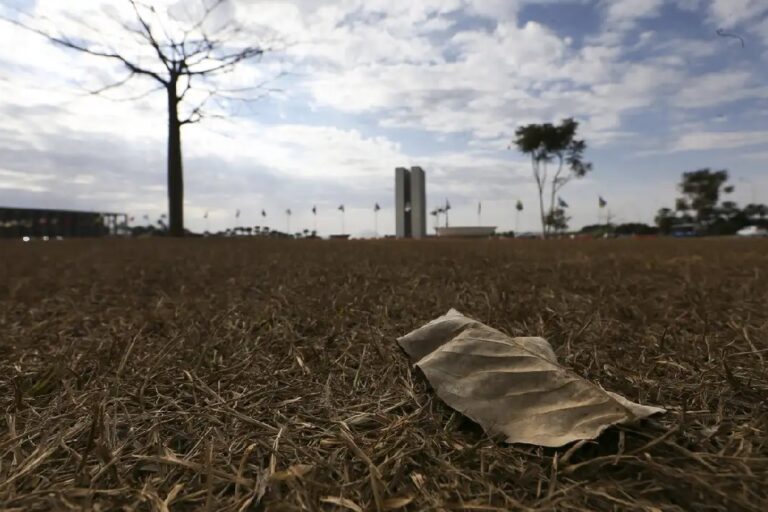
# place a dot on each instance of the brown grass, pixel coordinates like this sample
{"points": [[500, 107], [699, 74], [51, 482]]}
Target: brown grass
{"points": [[264, 375]]}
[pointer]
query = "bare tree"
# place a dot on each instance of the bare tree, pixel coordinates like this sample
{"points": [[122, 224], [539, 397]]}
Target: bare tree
{"points": [[185, 54]]}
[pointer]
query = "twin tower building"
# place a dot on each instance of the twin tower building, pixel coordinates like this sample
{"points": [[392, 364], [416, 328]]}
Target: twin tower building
{"points": [[410, 203]]}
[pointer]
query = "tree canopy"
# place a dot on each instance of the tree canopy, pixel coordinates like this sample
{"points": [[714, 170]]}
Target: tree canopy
{"points": [[701, 205], [547, 143]]}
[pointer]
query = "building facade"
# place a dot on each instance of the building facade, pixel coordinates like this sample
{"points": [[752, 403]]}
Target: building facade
{"points": [[37, 222], [410, 203]]}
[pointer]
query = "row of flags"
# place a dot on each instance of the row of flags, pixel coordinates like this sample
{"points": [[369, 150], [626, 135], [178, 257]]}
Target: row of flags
{"points": [[442, 209], [518, 206], [341, 208], [602, 203]]}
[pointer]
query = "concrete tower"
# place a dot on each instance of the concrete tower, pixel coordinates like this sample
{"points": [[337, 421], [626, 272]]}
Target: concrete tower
{"points": [[410, 203], [418, 203]]}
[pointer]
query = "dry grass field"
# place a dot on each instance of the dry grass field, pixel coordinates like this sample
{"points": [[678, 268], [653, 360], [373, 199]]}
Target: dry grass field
{"points": [[246, 374]]}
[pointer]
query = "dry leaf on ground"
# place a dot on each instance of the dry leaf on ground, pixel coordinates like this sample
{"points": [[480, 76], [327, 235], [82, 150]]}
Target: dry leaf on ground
{"points": [[513, 386]]}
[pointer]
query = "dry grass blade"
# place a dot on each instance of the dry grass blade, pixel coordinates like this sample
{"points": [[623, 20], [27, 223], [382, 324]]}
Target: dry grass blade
{"points": [[342, 502]]}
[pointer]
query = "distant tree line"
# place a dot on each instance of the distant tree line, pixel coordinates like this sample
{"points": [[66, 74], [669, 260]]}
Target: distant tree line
{"points": [[160, 228], [626, 229], [700, 209]]}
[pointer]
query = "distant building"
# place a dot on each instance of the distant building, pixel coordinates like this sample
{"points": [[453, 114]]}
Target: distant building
{"points": [[410, 203], [37, 223]]}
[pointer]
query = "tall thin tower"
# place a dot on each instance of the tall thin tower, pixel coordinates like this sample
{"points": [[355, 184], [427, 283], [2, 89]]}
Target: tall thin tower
{"points": [[410, 203], [402, 203], [418, 203]]}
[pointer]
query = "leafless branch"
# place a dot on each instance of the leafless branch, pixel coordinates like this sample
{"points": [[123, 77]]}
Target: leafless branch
{"points": [[199, 24], [68, 43], [232, 93], [196, 115], [113, 85], [149, 36], [187, 88], [226, 62], [184, 59], [168, 37]]}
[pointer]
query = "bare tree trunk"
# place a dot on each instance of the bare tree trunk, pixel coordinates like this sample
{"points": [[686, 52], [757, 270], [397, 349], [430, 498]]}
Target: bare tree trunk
{"points": [[543, 216], [536, 175], [175, 171], [554, 189]]}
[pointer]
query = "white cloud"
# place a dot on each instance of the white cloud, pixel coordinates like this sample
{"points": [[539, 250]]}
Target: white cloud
{"points": [[730, 13], [758, 155], [14, 180], [719, 88], [623, 12], [300, 151], [709, 141], [502, 10]]}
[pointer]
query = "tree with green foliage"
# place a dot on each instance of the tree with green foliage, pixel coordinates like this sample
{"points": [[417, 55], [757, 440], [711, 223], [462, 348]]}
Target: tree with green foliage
{"points": [[557, 221], [701, 192], [665, 220], [756, 212], [635, 228], [700, 205], [546, 144]]}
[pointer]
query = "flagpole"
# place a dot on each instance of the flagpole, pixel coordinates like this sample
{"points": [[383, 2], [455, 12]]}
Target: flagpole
{"points": [[376, 223]]}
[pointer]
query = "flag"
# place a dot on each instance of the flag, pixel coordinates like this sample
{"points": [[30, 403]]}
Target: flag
{"points": [[519, 205], [561, 203], [314, 210], [237, 213], [130, 220], [263, 213], [288, 212], [602, 202], [205, 216], [447, 205], [341, 207], [376, 207], [479, 207]]}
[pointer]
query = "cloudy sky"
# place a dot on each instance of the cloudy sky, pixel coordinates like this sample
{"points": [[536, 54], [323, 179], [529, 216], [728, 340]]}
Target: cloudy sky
{"points": [[355, 88]]}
